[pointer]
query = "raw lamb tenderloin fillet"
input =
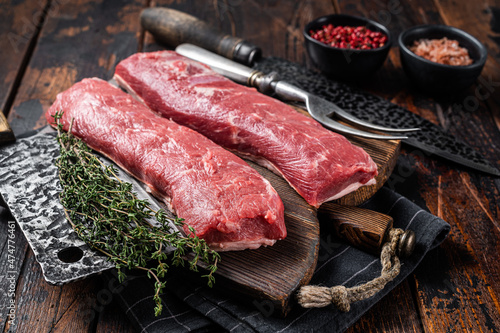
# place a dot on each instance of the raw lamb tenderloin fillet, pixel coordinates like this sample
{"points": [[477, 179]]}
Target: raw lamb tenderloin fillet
{"points": [[319, 164], [228, 203]]}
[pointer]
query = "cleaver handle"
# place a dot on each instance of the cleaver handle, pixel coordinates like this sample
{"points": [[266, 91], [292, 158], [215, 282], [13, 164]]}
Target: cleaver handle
{"points": [[362, 228], [6, 134], [174, 27]]}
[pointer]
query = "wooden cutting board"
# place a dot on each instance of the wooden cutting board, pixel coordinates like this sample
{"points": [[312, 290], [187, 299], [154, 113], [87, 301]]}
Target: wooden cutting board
{"points": [[275, 273]]}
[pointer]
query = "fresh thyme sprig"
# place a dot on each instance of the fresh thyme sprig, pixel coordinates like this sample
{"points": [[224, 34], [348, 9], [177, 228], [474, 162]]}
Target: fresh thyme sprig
{"points": [[108, 216]]}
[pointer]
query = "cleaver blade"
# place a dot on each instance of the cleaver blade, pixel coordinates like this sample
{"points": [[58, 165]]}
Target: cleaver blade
{"points": [[29, 185]]}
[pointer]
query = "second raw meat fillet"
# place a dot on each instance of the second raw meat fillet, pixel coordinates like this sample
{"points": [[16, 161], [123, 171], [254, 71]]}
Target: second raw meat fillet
{"points": [[319, 164], [227, 202]]}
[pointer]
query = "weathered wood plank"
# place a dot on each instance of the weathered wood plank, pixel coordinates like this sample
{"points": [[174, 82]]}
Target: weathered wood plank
{"points": [[455, 286], [394, 313], [114, 319], [51, 308], [458, 285], [73, 45], [475, 116], [18, 29], [79, 39], [274, 26], [391, 314], [12, 253], [454, 292]]}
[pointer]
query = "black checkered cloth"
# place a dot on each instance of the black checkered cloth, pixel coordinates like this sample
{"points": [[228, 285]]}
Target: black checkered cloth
{"points": [[191, 306]]}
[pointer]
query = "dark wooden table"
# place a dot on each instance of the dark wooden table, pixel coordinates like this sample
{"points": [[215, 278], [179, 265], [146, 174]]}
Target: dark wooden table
{"points": [[47, 45]]}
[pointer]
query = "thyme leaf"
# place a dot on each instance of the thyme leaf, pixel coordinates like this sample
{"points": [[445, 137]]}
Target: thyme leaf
{"points": [[107, 215]]}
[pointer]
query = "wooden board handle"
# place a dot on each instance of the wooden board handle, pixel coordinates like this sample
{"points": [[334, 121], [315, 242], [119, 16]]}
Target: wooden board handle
{"points": [[6, 134], [362, 228], [174, 27]]}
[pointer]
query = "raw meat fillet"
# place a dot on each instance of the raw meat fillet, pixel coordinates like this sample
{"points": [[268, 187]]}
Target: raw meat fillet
{"points": [[228, 203], [319, 164]]}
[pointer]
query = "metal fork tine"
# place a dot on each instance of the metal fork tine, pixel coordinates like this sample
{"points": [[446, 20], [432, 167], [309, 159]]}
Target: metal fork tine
{"points": [[319, 106], [320, 109], [338, 127], [356, 121], [266, 83]]}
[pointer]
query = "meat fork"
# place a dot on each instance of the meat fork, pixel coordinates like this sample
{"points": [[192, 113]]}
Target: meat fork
{"points": [[320, 109]]}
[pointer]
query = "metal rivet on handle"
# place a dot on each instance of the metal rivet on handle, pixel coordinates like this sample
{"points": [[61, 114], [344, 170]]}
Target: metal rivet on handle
{"points": [[407, 243]]}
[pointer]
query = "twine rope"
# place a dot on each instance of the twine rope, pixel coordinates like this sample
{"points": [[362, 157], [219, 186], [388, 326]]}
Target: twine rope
{"points": [[342, 297]]}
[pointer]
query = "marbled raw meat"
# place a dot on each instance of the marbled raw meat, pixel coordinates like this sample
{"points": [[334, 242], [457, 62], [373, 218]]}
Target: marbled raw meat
{"points": [[228, 203], [319, 164]]}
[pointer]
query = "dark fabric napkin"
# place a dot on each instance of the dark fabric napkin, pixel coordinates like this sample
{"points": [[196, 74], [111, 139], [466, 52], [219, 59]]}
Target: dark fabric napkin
{"points": [[191, 306]]}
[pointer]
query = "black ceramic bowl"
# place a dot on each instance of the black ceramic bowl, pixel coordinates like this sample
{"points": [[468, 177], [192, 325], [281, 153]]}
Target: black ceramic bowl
{"points": [[342, 63], [439, 79]]}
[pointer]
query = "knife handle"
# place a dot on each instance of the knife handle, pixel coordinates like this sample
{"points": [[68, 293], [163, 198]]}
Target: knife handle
{"points": [[174, 27], [6, 134], [362, 228]]}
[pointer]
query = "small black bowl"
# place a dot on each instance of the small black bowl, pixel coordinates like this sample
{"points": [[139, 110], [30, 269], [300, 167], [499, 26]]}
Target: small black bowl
{"points": [[348, 64], [435, 78]]}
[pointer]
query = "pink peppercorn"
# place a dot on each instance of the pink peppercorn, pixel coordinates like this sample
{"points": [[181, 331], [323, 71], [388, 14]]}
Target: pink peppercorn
{"points": [[360, 38]]}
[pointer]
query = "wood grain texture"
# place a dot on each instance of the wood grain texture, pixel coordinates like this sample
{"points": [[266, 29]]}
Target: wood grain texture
{"points": [[52, 308], [274, 273], [462, 290], [362, 228], [306, 232], [274, 26], [78, 39], [395, 313], [19, 27], [175, 27], [474, 116], [11, 259], [454, 287], [63, 56]]}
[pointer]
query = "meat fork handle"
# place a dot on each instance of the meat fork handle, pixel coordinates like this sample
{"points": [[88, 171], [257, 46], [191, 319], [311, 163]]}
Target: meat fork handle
{"points": [[175, 27], [289, 92], [243, 74]]}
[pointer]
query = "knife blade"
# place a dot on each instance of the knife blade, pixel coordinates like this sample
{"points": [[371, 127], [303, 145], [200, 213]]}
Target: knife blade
{"points": [[30, 187], [433, 140]]}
